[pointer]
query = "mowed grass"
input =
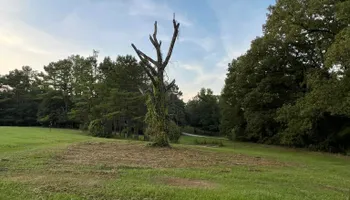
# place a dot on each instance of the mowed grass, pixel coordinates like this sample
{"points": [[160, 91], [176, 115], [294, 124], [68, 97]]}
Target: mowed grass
{"points": [[36, 163]]}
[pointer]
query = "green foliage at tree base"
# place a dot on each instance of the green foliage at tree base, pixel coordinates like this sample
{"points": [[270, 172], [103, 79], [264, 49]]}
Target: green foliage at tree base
{"points": [[174, 133], [97, 129]]}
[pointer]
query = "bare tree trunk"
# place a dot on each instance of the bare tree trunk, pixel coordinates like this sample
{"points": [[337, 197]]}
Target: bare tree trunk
{"points": [[157, 108]]}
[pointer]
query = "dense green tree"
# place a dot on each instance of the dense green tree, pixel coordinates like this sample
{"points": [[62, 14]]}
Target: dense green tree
{"points": [[176, 107], [52, 110], [75, 91], [203, 111], [119, 97], [58, 81], [84, 87], [280, 90], [20, 97]]}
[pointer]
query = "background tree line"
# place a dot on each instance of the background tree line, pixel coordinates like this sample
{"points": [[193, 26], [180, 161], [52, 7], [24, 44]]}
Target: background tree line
{"points": [[77, 91], [292, 86]]}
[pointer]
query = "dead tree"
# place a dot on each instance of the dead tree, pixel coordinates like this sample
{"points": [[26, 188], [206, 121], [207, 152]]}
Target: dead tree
{"points": [[157, 115]]}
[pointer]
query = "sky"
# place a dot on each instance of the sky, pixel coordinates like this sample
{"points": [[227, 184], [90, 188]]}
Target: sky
{"points": [[212, 33]]}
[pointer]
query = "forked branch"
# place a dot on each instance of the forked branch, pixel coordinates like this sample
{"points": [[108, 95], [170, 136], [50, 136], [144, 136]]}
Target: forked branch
{"points": [[172, 44], [157, 44], [158, 66]]}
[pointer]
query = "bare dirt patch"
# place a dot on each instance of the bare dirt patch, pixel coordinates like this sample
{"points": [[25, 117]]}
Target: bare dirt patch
{"points": [[139, 155], [187, 183]]}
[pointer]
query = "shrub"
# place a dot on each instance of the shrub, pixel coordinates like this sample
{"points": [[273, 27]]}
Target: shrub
{"points": [[149, 133], [232, 135], [97, 129], [125, 132], [209, 142], [84, 126], [174, 133]]}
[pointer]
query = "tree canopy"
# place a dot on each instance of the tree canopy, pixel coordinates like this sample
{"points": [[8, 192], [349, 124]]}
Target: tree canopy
{"points": [[291, 87]]}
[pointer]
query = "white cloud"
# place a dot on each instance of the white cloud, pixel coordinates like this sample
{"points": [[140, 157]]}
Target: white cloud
{"points": [[207, 43], [196, 78]]}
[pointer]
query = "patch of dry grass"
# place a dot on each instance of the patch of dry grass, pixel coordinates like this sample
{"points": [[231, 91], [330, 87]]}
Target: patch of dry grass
{"points": [[139, 155]]}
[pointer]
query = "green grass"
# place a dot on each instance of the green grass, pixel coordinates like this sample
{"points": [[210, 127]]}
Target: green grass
{"points": [[19, 138], [33, 166]]}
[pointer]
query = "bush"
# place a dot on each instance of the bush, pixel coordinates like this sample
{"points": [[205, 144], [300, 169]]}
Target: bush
{"points": [[209, 142], [174, 133], [84, 126], [232, 135], [97, 129], [125, 133], [149, 133]]}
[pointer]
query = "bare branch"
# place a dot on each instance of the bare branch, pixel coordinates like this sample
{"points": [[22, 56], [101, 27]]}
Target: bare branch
{"points": [[171, 85], [142, 91], [157, 44], [139, 52], [146, 91], [173, 40], [152, 41], [145, 68], [144, 58], [155, 30]]}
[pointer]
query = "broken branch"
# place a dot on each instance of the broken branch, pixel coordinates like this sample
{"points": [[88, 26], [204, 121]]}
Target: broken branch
{"points": [[171, 85]]}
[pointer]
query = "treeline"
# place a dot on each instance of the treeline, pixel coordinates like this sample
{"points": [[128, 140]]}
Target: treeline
{"points": [[78, 91], [75, 91], [292, 87], [203, 113]]}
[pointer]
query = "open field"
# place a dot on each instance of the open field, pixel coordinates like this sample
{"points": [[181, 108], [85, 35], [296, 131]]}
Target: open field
{"points": [[37, 163]]}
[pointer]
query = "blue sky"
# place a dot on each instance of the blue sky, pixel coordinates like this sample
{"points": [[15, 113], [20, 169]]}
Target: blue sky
{"points": [[212, 33]]}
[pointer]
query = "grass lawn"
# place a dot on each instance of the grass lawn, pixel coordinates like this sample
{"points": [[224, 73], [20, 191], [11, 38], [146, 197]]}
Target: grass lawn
{"points": [[36, 163]]}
